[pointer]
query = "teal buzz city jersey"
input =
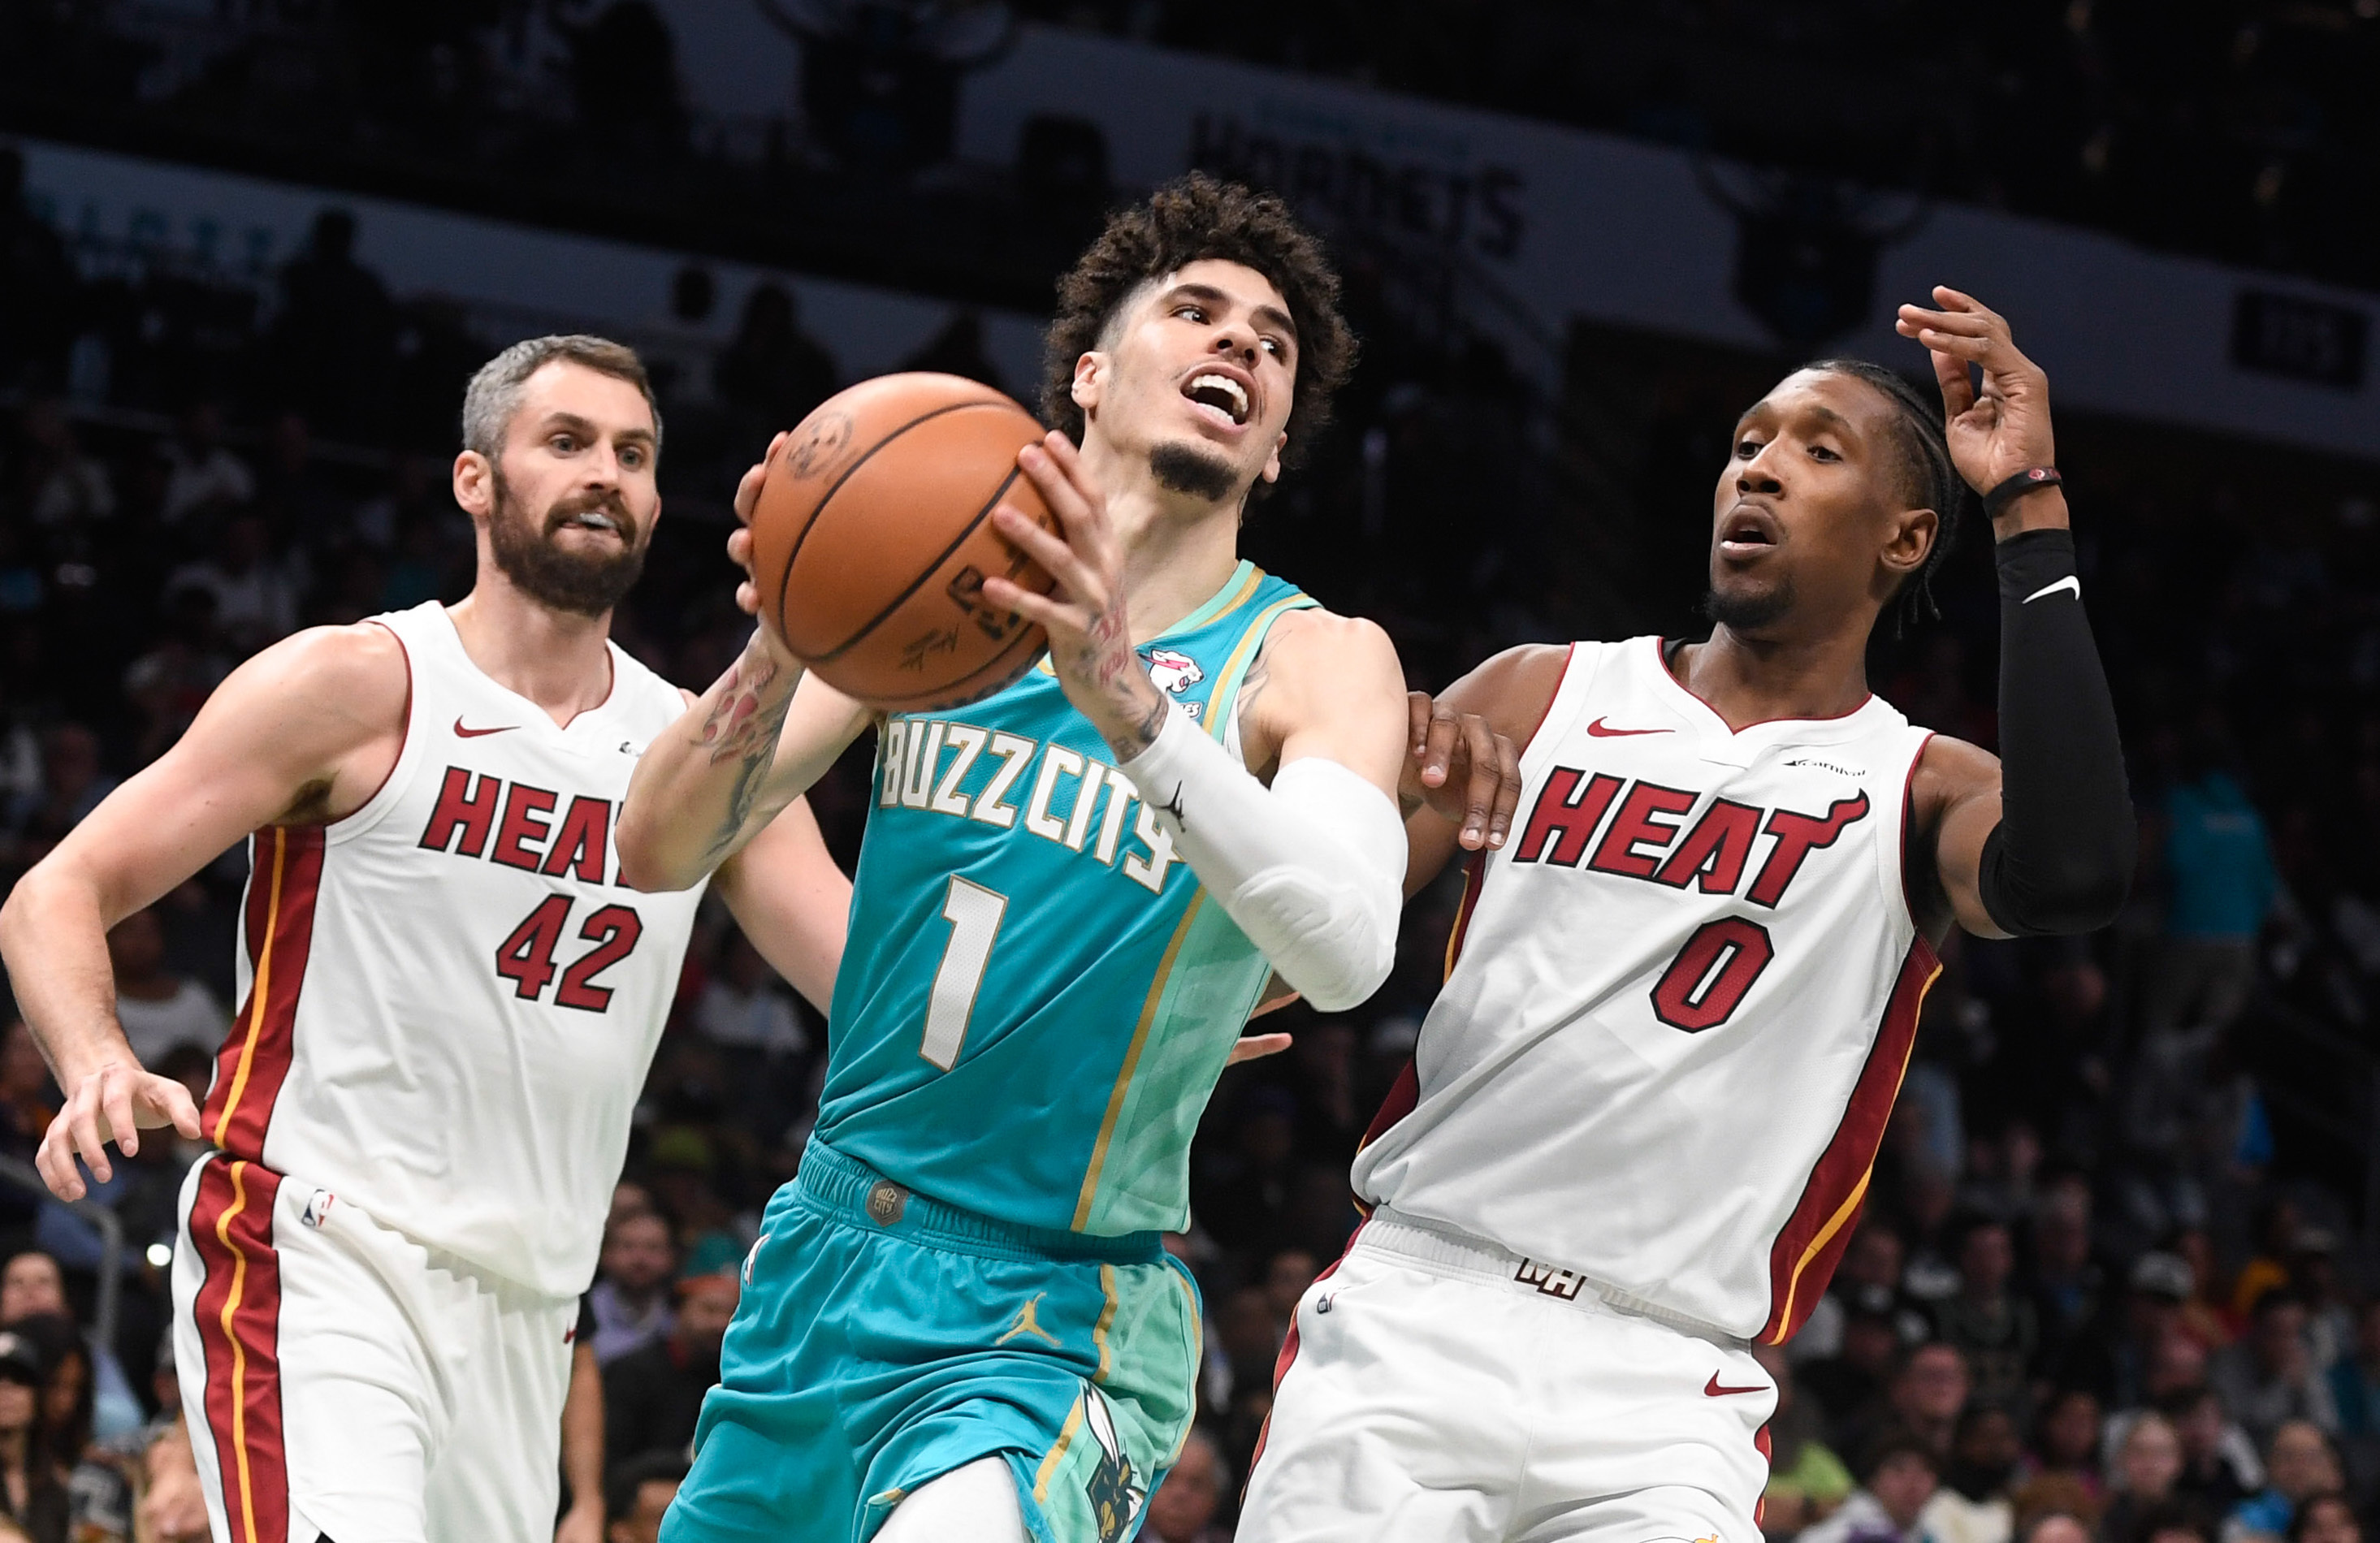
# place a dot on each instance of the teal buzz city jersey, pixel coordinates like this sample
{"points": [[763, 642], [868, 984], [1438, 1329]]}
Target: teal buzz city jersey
{"points": [[1038, 996]]}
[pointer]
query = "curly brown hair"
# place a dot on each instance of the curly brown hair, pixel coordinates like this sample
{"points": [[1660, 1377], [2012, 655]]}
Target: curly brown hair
{"points": [[1193, 218]]}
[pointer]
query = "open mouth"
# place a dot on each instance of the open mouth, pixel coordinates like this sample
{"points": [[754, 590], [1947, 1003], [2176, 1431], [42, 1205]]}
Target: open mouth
{"points": [[595, 519], [1218, 396], [1747, 531]]}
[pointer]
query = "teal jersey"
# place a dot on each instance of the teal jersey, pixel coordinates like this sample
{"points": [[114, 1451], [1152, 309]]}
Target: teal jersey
{"points": [[1038, 996]]}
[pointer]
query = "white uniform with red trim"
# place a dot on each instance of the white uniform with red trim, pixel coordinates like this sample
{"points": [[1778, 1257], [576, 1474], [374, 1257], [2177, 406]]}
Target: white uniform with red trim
{"points": [[1638, 1129], [450, 1006]]}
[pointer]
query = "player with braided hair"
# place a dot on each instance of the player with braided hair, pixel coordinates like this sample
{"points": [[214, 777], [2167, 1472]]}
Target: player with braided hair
{"points": [[1638, 1127]]}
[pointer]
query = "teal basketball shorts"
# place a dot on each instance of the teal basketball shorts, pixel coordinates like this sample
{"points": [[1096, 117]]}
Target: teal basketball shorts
{"points": [[884, 1340]]}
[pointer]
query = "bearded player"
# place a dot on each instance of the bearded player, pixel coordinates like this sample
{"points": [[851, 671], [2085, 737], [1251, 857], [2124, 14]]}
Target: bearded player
{"points": [[1640, 1120], [958, 1322], [451, 997]]}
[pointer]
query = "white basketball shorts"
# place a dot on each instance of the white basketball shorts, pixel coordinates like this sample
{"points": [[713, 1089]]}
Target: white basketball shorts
{"points": [[1437, 1388], [344, 1382]]}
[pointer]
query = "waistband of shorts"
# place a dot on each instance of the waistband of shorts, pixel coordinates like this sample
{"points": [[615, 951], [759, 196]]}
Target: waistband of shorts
{"points": [[1450, 1250], [847, 1188]]}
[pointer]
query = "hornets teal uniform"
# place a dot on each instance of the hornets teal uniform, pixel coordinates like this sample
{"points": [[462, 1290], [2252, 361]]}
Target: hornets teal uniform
{"points": [[1033, 1005]]}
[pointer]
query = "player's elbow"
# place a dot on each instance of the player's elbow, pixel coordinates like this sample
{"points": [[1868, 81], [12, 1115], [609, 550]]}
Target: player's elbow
{"points": [[645, 860], [2080, 889], [1335, 943]]}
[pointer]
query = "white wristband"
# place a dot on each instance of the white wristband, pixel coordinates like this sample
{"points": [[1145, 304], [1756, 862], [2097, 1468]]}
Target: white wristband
{"points": [[1312, 869]]}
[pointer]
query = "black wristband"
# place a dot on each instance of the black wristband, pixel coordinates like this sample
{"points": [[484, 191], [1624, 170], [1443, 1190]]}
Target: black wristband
{"points": [[2030, 479]]}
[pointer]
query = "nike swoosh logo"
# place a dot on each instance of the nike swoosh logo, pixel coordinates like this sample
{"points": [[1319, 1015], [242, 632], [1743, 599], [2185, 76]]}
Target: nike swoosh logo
{"points": [[1712, 1389], [462, 733], [1601, 729], [2069, 582]]}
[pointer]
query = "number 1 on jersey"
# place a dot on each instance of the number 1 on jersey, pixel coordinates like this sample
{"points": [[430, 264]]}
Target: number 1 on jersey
{"points": [[974, 914]]}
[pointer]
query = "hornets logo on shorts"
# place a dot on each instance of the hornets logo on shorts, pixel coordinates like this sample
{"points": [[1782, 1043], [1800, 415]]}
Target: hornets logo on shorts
{"points": [[1115, 1499]]}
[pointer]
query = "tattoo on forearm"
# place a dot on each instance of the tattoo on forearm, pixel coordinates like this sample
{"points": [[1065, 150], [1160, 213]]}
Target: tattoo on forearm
{"points": [[754, 697]]}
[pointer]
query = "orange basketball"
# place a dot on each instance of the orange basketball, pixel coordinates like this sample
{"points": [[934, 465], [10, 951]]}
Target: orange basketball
{"points": [[873, 537]]}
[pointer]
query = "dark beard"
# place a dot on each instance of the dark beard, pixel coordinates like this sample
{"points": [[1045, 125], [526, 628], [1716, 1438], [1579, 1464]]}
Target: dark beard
{"points": [[583, 583], [1744, 614], [1183, 469]]}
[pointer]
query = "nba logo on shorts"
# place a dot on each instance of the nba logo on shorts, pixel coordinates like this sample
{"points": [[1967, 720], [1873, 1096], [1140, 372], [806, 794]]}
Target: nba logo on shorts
{"points": [[317, 1208]]}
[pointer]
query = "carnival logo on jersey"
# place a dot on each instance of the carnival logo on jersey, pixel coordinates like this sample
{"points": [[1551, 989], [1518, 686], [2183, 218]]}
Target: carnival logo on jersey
{"points": [[1173, 672], [1115, 1499], [1647, 837]]}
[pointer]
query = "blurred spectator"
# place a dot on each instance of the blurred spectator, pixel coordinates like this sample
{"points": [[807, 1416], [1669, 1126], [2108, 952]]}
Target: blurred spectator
{"points": [[2066, 1279], [2054, 1526], [1806, 1481], [2141, 1481], [255, 587], [749, 1015], [33, 1286], [2300, 1464], [1927, 1393], [652, 1395], [2111, 1354], [1972, 1503], [172, 680], [1991, 1326], [73, 781], [2219, 888], [99, 1491], [774, 372], [1897, 1479], [958, 349], [1848, 1384], [56, 483], [334, 338], [158, 1009], [203, 478], [1183, 1510], [631, 1296], [31, 1493], [2354, 1377], [638, 1496], [2270, 1377], [624, 77], [28, 1099], [2325, 1518], [2220, 1463], [2066, 1441], [2174, 1522]]}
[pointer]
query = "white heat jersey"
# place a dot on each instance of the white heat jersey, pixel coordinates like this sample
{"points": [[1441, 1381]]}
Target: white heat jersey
{"points": [[1679, 1002], [449, 1000]]}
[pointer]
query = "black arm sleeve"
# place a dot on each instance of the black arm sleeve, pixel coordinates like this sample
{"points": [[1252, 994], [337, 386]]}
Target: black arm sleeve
{"points": [[2061, 859]]}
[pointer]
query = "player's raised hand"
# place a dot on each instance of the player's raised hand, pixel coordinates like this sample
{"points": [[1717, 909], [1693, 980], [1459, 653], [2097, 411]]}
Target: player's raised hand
{"points": [[2002, 428], [1090, 637], [1462, 768], [113, 1104]]}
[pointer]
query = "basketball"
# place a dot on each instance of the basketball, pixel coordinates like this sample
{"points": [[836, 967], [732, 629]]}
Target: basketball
{"points": [[873, 536]]}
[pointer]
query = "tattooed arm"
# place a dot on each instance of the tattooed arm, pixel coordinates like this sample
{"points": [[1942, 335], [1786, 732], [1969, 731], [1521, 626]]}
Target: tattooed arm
{"points": [[713, 780]]}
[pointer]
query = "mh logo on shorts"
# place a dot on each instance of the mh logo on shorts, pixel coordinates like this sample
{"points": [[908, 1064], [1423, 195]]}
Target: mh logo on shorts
{"points": [[1558, 1283]]}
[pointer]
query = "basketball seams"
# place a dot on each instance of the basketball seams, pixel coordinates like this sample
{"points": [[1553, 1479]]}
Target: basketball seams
{"points": [[925, 574], [793, 552]]}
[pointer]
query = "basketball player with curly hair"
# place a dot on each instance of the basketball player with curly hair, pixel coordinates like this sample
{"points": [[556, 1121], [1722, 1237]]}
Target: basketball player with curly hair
{"points": [[1638, 1127], [958, 1322]]}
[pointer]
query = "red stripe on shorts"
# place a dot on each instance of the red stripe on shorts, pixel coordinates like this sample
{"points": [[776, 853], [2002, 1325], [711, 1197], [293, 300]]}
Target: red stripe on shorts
{"points": [[239, 1323]]}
